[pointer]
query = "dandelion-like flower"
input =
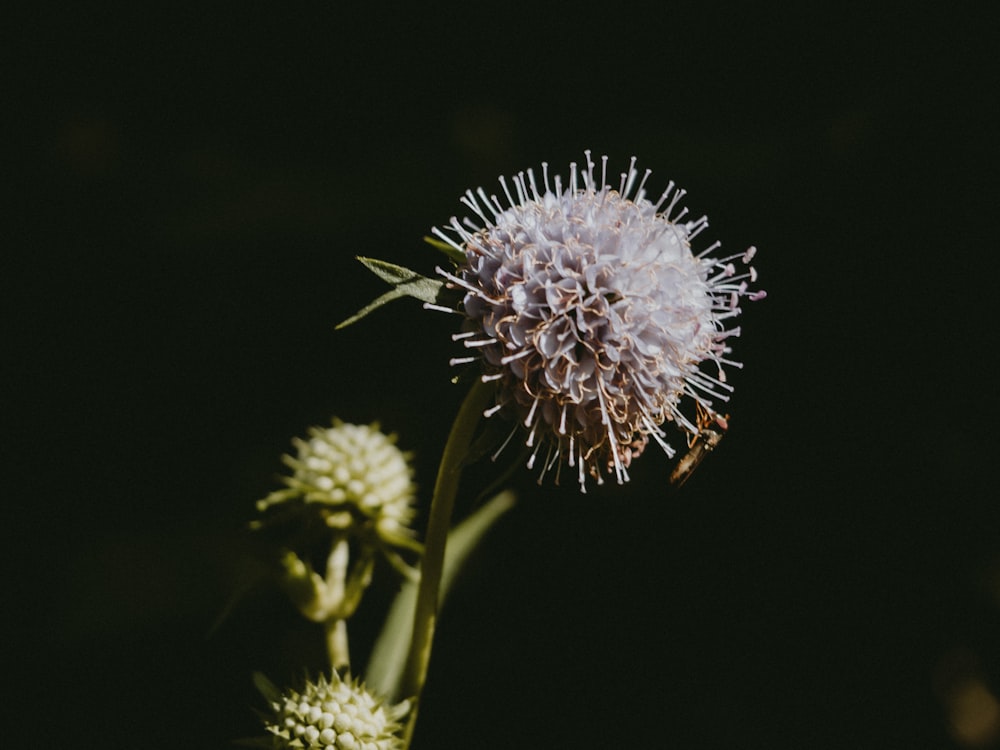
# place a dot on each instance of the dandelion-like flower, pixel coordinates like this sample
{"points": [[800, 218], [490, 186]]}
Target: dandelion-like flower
{"points": [[594, 314], [356, 477], [334, 714]]}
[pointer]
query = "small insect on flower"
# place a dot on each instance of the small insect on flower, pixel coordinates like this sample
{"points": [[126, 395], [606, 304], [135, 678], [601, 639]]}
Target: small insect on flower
{"points": [[587, 306], [700, 444]]}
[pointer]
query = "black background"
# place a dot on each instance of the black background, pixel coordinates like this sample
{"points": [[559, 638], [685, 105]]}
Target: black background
{"points": [[180, 245]]}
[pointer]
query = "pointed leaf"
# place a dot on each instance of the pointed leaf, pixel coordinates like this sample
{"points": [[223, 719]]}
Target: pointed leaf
{"points": [[418, 286], [371, 306], [406, 283]]}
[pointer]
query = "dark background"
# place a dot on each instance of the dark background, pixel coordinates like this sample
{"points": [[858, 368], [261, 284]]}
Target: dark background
{"points": [[191, 184]]}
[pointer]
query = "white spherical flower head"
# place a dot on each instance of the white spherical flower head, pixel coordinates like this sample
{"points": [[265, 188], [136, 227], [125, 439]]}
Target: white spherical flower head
{"points": [[594, 314], [352, 472], [334, 714]]}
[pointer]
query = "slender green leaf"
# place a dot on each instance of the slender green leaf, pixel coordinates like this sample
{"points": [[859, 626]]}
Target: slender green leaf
{"points": [[388, 657], [396, 275], [456, 255], [371, 306]]}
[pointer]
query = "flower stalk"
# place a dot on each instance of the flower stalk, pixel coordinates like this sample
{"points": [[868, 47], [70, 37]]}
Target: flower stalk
{"points": [[432, 563]]}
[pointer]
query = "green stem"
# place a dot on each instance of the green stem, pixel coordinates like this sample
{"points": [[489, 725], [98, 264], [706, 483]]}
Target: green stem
{"points": [[336, 626], [432, 562], [336, 645]]}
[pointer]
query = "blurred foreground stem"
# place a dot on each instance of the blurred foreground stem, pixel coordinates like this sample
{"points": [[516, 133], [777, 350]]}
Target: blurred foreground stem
{"points": [[336, 626]]}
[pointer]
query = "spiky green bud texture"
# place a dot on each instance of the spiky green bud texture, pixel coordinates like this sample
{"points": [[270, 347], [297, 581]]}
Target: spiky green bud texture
{"points": [[355, 477], [332, 714]]}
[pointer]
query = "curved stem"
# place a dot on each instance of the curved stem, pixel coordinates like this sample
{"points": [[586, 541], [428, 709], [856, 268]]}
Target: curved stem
{"points": [[432, 562]]}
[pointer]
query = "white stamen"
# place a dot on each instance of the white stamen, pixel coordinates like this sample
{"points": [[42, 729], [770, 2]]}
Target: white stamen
{"points": [[504, 444], [522, 194], [470, 200], [486, 202], [656, 206], [506, 190], [511, 357], [442, 308], [590, 170], [714, 246], [531, 413], [697, 227], [606, 419], [632, 172], [479, 342], [534, 453], [531, 184], [641, 192]]}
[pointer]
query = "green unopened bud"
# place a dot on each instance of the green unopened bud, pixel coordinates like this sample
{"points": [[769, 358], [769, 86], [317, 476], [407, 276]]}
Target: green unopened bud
{"points": [[356, 478]]}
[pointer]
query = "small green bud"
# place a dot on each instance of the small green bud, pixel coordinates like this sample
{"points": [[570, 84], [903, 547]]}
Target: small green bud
{"points": [[355, 478]]}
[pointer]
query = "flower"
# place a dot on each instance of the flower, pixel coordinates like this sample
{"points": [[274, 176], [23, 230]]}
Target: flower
{"points": [[334, 714], [593, 313], [356, 477]]}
